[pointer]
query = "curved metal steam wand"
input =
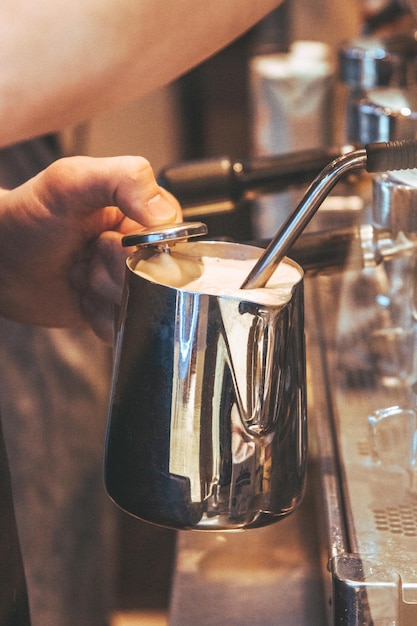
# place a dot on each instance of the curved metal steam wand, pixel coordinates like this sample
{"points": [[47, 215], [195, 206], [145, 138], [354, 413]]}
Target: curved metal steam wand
{"points": [[375, 157]]}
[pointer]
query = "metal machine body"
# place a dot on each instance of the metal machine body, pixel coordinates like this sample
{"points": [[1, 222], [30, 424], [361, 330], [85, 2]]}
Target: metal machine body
{"points": [[369, 506]]}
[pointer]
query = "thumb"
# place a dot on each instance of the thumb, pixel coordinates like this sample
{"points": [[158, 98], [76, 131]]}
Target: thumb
{"points": [[127, 182], [138, 195]]}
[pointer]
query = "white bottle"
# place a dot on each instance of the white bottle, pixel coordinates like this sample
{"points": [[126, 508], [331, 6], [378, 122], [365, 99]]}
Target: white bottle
{"points": [[291, 99]]}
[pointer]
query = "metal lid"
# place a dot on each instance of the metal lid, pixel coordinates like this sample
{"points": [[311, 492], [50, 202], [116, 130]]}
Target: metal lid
{"points": [[165, 235]]}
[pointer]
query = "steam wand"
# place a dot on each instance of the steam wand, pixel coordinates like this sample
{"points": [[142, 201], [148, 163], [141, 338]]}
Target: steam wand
{"points": [[374, 157]]}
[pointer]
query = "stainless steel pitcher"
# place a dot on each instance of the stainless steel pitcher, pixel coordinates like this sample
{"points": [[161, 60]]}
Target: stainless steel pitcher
{"points": [[207, 420]]}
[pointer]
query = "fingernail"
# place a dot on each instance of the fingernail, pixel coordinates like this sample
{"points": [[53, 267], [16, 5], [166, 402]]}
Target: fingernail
{"points": [[160, 208]]}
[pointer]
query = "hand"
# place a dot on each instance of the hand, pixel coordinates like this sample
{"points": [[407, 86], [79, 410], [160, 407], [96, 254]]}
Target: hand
{"points": [[61, 260]]}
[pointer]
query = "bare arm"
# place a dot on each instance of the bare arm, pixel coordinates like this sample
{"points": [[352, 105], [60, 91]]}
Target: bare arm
{"points": [[63, 62]]}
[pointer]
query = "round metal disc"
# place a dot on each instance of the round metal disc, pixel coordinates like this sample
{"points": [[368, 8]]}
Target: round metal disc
{"points": [[165, 234]]}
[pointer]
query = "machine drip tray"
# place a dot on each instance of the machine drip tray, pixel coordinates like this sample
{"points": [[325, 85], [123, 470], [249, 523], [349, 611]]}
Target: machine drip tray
{"points": [[369, 496]]}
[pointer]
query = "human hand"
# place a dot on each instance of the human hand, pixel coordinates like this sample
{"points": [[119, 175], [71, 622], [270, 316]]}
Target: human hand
{"points": [[61, 259]]}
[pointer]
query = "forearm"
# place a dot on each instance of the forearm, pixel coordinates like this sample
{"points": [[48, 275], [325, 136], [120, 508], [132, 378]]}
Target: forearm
{"points": [[63, 62]]}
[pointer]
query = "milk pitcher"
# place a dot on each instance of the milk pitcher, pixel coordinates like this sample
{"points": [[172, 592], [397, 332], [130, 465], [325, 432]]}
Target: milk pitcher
{"points": [[207, 418]]}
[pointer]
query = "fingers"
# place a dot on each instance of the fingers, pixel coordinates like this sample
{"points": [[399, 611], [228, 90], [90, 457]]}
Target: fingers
{"points": [[162, 208], [127, 182], [107, 267], [98, 279], [133, 188], [140, 197], [100, 315]]}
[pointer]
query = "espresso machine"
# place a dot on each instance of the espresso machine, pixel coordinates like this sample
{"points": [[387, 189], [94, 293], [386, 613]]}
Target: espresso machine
{"points": [[366, 421], [348, 556]]}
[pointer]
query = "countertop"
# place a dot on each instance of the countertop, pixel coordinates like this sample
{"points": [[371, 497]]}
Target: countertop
{"points": [[264, 577]]}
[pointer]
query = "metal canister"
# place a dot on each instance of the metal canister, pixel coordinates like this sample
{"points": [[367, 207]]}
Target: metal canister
{"points": [[207, 420]]}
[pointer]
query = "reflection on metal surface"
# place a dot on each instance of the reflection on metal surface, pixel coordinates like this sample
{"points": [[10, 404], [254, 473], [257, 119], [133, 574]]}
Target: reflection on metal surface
{"points": [[187, 390], [207, 427]]}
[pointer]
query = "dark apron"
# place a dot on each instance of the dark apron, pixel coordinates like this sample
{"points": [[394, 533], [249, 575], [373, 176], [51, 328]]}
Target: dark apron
{"points": [[14, 608], [17, 164]]}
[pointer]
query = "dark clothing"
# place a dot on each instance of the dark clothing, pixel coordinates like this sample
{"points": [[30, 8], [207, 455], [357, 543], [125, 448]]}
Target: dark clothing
{"points": [[24, 160], [14, 608], [17, 164], [53, 399]]}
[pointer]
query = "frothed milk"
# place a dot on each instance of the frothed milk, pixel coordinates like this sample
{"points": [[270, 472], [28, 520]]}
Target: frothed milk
{"points": [[218, 276]]}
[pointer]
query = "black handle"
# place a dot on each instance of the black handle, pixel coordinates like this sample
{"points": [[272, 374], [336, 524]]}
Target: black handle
{"points": [[329, 251], [392, 155], [220, 179]]}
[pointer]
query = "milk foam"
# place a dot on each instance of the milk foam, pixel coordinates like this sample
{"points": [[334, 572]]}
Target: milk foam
{"points": [[218, 276]]}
